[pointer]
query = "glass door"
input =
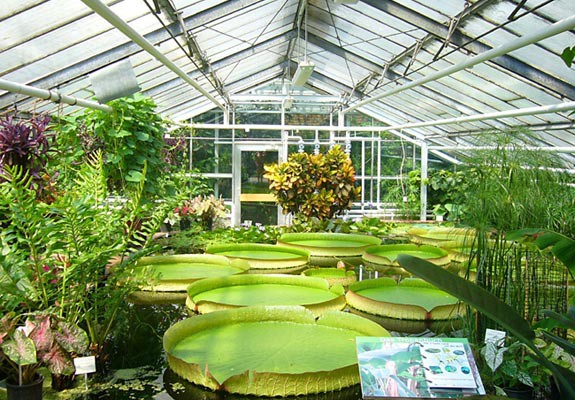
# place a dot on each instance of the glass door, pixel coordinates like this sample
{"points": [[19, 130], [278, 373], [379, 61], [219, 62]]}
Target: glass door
{"points": [[254, 204]]}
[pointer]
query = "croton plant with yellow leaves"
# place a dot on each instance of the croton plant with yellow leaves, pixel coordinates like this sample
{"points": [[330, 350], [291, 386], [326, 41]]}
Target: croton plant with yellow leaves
{"points": [[314, 185]]}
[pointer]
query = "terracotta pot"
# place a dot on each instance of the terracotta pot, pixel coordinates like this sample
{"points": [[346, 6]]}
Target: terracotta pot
{"points": [[31, 391]]}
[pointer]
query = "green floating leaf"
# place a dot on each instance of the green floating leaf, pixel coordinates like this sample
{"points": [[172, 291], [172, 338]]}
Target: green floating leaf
{"points": [[252, 350], [470, 293]]}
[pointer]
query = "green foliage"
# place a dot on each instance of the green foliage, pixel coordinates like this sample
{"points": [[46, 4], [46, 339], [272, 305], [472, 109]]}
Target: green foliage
{"points": [[511, 366], [49, 341], [495, 309], [446, 191], [196, 239], [314, 185], [568, 55], [560, 245], [205, 210], [130, 137], [55, 256], [514, 187]]}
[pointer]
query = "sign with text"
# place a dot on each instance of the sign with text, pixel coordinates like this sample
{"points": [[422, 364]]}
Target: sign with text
{"points": [[85, 365]]}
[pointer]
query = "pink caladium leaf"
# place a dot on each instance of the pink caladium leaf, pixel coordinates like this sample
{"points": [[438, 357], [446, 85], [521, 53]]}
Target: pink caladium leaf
{"points": [[20, 349]]}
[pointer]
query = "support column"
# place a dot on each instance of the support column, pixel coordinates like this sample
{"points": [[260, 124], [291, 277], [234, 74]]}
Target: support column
{"points": [[423, 189]]}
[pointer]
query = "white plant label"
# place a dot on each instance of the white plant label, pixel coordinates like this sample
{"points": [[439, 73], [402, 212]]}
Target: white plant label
{"points": [[495, 336], [85, 365]]}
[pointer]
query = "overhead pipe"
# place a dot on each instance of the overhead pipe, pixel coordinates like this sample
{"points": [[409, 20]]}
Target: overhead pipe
{"points": [[50, 95], [554, 149], [105, 12], [553, 29], [553, 108], [518, 112]]}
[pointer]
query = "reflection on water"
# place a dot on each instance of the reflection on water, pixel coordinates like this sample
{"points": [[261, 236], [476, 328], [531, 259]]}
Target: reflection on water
{"points": [[138, 364], [180, 389]]}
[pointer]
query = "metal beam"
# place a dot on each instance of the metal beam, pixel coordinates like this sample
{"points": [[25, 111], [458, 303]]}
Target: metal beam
{"points": [[441, 31], [106, 13], [558, 27]]}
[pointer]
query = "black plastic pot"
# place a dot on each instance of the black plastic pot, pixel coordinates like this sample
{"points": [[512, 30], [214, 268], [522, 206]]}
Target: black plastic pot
{"points": [[523, 393], [31, 391]]}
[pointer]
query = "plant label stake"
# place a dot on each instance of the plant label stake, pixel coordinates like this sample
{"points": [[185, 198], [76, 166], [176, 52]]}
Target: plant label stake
{"points": [[85, 366]]}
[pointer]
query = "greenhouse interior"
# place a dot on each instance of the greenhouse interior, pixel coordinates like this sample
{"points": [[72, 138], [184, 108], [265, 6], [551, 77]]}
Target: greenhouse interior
{"points": [[319, 199]]}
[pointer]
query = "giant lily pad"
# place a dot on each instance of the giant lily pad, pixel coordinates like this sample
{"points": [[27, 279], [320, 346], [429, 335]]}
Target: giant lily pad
{"points": [[437, 236], [326, 249], [410, 300], [216, 294], [264, 258], [168, 277], [334, 276], [383, 258], [268, 350]]}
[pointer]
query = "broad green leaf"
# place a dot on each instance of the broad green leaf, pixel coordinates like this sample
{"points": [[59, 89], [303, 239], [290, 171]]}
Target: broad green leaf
{"points": [[20, 349], [207, 295], [470, 293], [568, 55], [567, 345], [134, 176], [252, 350], [143, 136]]}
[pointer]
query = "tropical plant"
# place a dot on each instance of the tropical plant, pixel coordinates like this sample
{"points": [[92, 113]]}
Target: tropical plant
{"points": [[205, 210], [317, 185], [446, 190], [568, 55], [495, 309], [130, 137], [271, 338], [511, 366], [514, 187], [55, 256], [45, 340], [25, 144]]}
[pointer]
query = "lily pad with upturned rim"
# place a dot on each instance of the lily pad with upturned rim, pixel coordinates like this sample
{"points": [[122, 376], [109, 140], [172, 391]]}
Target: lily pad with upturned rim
{"points": [[437, 236], [264, 258], [334, 276], [383, 258], [268, 350], [170, 276], [411, 299], [327, 248], [230, 292]]}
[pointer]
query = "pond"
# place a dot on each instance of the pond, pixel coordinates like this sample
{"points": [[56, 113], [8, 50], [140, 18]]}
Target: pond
{"points": [[138, 365]]}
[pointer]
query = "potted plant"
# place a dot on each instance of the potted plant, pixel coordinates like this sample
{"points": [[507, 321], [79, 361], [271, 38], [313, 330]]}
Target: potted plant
{"points": [[44, 340], [491, 306], [204, 210], [511, 370]]}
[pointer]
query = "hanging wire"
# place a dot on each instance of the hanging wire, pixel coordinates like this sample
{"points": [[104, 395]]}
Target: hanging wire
{"points": [[189, 56], [460, 47]]}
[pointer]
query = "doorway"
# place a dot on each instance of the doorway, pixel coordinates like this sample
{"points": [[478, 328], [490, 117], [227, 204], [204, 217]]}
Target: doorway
{"points": [[253, 202]]}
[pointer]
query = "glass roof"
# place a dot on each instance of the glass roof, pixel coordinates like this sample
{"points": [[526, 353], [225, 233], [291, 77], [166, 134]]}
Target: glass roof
{"points": [[361, 51]]}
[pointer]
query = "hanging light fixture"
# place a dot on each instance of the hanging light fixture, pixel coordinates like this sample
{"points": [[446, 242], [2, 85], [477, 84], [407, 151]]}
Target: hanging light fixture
{"points": [[303, 72], [305, 67]]}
